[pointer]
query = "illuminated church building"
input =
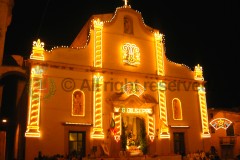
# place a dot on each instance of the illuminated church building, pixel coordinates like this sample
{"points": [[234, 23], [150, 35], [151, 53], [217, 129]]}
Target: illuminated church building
{"points": [[114, 77]]}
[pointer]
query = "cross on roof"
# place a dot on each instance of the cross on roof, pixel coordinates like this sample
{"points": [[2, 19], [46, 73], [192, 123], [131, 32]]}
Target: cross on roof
{"points": [[125, 2]]}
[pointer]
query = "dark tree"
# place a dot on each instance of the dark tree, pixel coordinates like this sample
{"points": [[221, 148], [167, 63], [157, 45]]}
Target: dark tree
{"points": [[143, 137], [123, 137]]}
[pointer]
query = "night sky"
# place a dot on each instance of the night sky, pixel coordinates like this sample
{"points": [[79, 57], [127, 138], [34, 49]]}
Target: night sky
{"points": [[195, 32]]}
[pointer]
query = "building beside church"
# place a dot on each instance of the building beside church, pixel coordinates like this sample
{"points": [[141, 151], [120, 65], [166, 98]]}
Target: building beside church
{"points": [[225, 131], [13, 80], [112, 89]]}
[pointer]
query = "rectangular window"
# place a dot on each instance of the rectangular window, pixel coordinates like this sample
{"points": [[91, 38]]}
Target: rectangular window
{"points": [[77, 141], [179, 143]]}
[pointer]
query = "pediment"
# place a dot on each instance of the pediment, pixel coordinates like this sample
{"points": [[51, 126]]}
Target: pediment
{"points": [[132, 102], [109, 20]]}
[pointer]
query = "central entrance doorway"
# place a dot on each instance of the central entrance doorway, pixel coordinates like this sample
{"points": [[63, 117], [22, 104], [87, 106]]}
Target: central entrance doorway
{"points": [[135, 116], [135, 133], [132, 128]]}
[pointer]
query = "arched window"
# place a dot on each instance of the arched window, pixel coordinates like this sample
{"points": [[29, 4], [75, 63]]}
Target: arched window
{"points": [[177, 109], [128, 25], [230, 130], [78, 103]]}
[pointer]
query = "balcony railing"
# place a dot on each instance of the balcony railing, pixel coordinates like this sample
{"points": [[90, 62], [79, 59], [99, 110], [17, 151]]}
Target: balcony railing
{"points": [[229, 140]]}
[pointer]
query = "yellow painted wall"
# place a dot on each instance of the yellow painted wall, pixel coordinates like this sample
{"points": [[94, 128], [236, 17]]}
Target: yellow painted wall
{"points": [[76, 65]]}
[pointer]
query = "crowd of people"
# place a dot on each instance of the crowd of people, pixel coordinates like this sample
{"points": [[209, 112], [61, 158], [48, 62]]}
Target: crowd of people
{"points": [[201, 155]]}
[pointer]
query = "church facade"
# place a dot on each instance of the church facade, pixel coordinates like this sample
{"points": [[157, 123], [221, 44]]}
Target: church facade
{"points": [[114, 89]]}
